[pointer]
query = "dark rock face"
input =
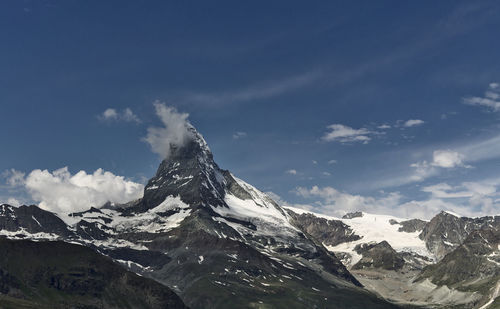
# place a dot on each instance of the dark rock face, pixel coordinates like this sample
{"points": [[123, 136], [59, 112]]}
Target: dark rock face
{"points": [[189, 172], [414, 261], [62, 275], [472, 266], [233, 247], [32, 219], [145, 258], [352, 215], [378, 255], [328, 232], [410, 226], [445, 231], [94, 214], [91, 230]]}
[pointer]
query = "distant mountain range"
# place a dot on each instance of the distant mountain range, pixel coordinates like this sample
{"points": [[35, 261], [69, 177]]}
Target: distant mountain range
{"points": [[447, 262], [218, 242]]}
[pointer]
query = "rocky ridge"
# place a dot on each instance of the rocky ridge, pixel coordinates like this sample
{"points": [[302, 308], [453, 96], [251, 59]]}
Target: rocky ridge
{"points": [[215, 240]]}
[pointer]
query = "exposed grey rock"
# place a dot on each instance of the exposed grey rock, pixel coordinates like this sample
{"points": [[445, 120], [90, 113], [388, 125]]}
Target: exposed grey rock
{"points": [[352, 215], [445, 232], [378, 255], [472, 266], [214, 259], [189, 172], [410, 226], [328, 232], [92, 230], [32, 219]]}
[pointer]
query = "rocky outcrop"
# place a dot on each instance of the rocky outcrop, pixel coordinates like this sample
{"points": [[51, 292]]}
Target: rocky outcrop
{"points": [[410, 226], [32, 220], [378, 255], [445, 232], [352, 215], [328, 232], [473, 266], [189, 172], [218, 242]]}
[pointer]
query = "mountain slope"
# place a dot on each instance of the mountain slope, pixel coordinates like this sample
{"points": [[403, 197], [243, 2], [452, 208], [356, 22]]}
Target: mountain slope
{"points": [[472, 267], [446, 231], [62, 275], [450, 261], [216, 241], [236, 248]]}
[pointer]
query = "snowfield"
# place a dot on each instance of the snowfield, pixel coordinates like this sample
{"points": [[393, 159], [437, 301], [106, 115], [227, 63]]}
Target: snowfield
{"points": [[375, 228], [260, 210]]}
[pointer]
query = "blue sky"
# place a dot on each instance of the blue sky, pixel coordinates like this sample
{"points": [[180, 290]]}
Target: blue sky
{"points": [[384, 106]]}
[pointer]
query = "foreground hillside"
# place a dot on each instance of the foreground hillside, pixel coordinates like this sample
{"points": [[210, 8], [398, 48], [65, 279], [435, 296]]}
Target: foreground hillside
{"points": [[62, 275]]}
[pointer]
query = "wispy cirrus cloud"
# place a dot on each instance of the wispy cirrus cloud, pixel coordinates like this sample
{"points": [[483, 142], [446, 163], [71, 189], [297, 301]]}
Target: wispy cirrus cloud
{"points": [[461, 154], [13, 177], [481, 197], [384, 126], [254, 92], [239, 135], [344, 134], [481, 149], [490, 99]]}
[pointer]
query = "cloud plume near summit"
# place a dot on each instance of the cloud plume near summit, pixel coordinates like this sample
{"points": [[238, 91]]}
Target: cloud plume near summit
{"points": [[174, 132], [62, 192]]}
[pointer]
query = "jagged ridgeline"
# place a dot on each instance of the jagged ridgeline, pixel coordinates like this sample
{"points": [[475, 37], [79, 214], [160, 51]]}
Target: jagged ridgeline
{"points": [[218, 242], [447, 262], [213, 239]]}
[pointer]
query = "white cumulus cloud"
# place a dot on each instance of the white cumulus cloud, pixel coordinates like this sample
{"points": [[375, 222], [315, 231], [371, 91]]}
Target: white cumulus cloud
{"points": [[59, 191], [448, 159], [13, 202], [480, 199], [337, 203], [126, 115], [345, 134], [291, 172], [413, 123], [174, 132], [441, 159]]}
